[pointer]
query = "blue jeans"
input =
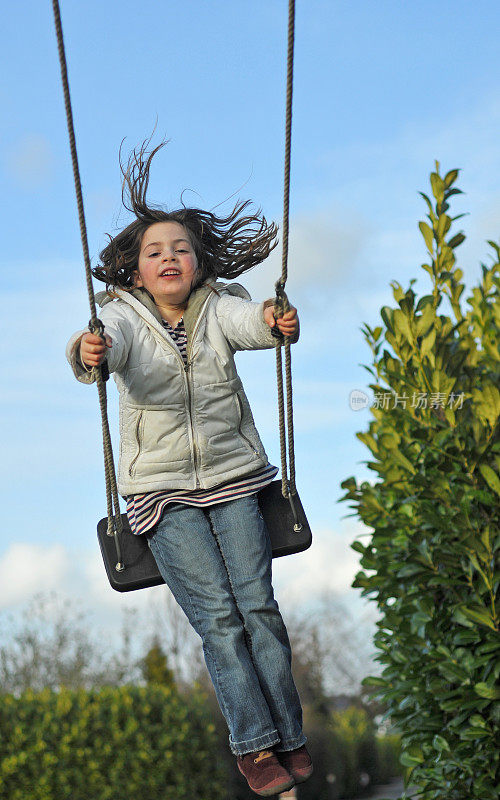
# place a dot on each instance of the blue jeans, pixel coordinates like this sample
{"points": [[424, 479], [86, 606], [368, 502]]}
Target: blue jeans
{"points": [[217, 563]]}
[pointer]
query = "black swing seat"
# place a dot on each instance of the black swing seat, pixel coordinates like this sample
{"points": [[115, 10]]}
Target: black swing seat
{"points": [[140, 569]]}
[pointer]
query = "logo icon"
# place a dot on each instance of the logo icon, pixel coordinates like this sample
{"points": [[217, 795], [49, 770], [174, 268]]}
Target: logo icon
{"points": [[358, 400]]}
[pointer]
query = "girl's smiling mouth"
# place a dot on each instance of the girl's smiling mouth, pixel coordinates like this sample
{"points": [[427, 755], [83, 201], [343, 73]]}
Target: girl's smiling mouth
{"points": [[170, 273]]}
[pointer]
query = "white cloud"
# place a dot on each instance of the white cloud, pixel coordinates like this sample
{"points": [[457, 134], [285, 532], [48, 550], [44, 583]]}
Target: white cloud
{"points": [[100, 592], [76, 576], [329, 565], [28, 568]]}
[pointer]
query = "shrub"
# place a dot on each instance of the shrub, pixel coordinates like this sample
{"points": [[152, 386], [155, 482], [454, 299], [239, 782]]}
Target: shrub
{"points": [[103, 744], [431, 563]]}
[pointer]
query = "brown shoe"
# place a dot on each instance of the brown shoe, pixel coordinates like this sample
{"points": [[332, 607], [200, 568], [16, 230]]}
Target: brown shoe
{"points": [[297, 762], [264, 773]]}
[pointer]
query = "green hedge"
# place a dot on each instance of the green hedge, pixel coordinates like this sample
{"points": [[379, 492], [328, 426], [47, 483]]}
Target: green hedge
{"points": [[431, 563], [107, 744], [119, 743]]}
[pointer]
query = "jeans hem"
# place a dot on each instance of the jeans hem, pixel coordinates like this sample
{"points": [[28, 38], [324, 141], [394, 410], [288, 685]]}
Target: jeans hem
{"points": [[252, 745], [291, 744]]}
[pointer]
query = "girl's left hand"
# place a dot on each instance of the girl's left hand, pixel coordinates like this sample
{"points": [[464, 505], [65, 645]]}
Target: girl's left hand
{"points": [[287, 324]]}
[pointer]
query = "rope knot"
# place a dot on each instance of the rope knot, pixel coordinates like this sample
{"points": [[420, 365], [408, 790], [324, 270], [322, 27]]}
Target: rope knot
{"points": [[281, 306], [97, 327]]}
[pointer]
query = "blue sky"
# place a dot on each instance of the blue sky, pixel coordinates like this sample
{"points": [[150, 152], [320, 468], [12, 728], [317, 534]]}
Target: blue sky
{"points": [[382, 89]]}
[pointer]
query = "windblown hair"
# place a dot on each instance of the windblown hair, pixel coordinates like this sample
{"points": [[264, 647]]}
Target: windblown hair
{"points": [[224, 246]]}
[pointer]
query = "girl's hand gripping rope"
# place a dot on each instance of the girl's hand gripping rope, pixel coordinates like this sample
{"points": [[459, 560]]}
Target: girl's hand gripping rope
{"points": [[93, 349], [287, 324]]}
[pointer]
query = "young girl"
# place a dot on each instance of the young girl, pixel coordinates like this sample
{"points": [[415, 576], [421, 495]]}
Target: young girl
{"points": [[191, 460]]}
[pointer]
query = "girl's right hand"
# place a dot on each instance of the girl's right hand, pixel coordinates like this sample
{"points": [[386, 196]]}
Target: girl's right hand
{"points": [[93, 349]]}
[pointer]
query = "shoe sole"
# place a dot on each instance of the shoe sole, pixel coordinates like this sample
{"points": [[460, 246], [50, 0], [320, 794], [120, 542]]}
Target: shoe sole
{"points": [[304, 776], [282, 787]]}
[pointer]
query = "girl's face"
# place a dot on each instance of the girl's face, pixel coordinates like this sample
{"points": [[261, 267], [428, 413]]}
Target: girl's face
{"points": [[167, 263]]}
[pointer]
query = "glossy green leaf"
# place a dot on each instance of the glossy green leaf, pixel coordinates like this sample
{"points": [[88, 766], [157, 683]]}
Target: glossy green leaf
{"points": [[438, 186], [477, 721], [428, 235], [456, 240], [472, 734], [411, 756], [401, 324], [489, 692], [450, 177], [480, 615], [373, 681], [490, 477], [426, 319], [428, 343], [440, 743]]}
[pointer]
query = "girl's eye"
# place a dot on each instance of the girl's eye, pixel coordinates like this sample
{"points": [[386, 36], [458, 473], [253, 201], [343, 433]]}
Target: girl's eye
{"points": [[152, 255], [181, 251]]}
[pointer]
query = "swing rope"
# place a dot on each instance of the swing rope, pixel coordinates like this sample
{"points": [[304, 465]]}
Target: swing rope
{"points": [[281, 303], [95, 325]]}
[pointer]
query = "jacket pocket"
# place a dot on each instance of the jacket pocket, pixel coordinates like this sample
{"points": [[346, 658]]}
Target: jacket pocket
{"points": [[138, 428], [240, 420]]}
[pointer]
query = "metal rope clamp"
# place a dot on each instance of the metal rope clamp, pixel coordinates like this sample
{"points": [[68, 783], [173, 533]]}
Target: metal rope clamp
{"points": [[115, 531], [297, 524]]}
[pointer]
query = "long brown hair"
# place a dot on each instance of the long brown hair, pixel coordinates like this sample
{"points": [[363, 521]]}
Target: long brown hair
{"points": [[224, 246]]}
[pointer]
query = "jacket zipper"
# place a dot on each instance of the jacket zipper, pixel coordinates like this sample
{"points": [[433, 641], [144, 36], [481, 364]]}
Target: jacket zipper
{"points": [[137, 426], [187, 366]]}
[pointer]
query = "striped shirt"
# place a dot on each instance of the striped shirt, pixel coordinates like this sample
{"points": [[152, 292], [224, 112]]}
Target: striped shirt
{"points": [[179, 335], [145, 510]]}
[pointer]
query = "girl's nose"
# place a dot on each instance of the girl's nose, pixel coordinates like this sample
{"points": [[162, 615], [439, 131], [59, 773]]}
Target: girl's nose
{"points": [[169, 256]]}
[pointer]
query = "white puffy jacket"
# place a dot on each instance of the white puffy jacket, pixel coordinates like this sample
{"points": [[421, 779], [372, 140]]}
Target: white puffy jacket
{"points": [[181, 426]]}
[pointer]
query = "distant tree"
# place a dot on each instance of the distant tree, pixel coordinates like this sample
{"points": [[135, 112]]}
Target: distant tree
{"points": [[51, 646], [154, 666], [169, 626], [332, 647]]}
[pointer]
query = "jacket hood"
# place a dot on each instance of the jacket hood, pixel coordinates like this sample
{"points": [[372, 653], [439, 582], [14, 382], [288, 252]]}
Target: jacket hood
{"points": [[195, 303]]}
